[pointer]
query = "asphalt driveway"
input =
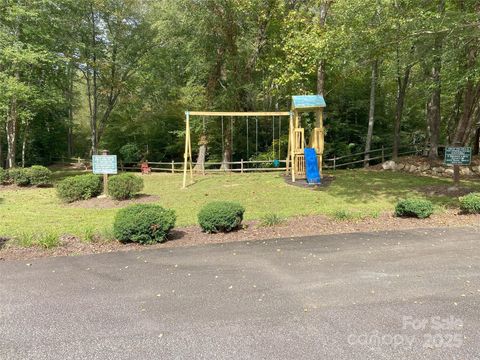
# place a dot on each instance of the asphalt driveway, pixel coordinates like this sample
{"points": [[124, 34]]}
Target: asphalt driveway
{"points": [[397, 295]]}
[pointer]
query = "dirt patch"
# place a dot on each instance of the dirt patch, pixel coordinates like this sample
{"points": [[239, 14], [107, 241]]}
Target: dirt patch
{"points": [[13, 187], [445, 190], [326, 181], [299, 226], [109, 203]]}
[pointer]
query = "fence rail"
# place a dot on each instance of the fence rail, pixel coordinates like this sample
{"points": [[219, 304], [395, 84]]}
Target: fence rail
{"points": [[344, 161]]}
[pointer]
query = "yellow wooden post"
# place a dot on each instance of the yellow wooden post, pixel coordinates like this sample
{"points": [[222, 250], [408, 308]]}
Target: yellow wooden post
{"points": [[287, 165], [293, 146], [185, 154]]}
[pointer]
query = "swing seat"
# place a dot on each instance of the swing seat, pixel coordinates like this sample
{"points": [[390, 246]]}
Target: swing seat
{"points": [[276, 163]]}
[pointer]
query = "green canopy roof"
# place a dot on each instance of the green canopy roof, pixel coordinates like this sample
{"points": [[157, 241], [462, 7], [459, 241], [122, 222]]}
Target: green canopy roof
{"points": [[308, 101]]}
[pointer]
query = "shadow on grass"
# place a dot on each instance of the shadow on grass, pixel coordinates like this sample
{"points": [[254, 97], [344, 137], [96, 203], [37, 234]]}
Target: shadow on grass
{"points": [[365, 187]]}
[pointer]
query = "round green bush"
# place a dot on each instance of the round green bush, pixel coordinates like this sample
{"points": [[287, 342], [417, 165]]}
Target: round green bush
{"points": [[124, 186], [143, 223], [80, 187], [220, 216], [414, 207], [3, 176], [470, 203], [39, 175], [19, 176]]}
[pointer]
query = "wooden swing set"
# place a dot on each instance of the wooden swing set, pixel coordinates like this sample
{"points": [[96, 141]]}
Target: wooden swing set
{"points": [[296, 139]]}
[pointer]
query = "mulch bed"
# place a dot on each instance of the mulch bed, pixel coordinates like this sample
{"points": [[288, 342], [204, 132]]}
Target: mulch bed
{"points": [[109, 203], [299, 226], [302, 183]]}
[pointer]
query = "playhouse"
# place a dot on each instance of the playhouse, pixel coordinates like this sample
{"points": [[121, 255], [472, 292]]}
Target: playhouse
{"points": [[298, 153]]}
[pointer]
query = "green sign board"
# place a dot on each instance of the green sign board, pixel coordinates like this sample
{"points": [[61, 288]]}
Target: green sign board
{"points": [[458, 156], [104, 164]]}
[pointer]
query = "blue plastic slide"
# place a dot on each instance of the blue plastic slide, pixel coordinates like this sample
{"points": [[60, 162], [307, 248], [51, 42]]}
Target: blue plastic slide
{"points": [[311, 166]]}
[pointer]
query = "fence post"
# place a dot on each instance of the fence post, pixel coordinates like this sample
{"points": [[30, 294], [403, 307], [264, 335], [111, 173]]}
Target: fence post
{"points": [[173, 166], [241, 166], [334, 162], [383, 154]]}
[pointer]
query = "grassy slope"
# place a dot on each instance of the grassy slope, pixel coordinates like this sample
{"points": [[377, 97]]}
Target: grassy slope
{"points": [[38, 210]]}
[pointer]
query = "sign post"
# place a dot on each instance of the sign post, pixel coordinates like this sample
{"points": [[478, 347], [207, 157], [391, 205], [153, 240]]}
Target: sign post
{"points": [[104, 165], [457, 156]]}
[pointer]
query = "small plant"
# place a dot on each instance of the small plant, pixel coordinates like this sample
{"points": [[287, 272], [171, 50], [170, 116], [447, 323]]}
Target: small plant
{"points": [[3, 176], [39, 175], [271, 219], [48, 240], [220, 216], [124, 186], [470, 204], [88, 235], [19, 176], [80, 187], [143, 223], [343, 215], [414, 207]]}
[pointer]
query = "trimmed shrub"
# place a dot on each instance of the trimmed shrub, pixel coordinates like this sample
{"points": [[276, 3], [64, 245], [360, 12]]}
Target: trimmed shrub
{"points": [[39, 175], [3, 176], [124, 186], [80, 187], [143, 223], [414, 207], [220, 216], [19, 176], [470, 203]]}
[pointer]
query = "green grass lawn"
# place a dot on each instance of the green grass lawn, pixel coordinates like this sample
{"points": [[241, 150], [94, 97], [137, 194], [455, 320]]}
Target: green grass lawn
{"points": [[365, 192]]}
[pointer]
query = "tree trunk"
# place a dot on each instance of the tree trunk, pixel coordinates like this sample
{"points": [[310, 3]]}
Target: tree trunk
{"points": [[476, 142], [371, 113], [324, 7], [93, 90], [227, 148], [11, 128], [24, 145], [402, 85], [433, 104], [202, 153], [471, 95]]}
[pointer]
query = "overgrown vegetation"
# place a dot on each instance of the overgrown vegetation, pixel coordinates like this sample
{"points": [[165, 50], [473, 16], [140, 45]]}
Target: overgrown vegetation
{"points": [[143, 223], [80, 187], [124, 186], [220, 216], [414, 207], [271, 219], [470, 203]]}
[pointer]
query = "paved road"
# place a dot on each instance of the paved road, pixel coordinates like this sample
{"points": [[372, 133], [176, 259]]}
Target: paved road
{"points": [[398, 295]]}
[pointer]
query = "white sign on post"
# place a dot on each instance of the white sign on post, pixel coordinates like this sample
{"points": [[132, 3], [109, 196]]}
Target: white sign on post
{"points": [[104, 164]]}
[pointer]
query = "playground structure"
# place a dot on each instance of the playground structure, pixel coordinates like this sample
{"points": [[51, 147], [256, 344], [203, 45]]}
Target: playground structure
{"points": [[295, 161], [296, 144]]}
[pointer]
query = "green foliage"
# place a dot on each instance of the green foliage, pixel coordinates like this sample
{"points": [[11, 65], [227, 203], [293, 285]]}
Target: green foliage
{"points": [[220, 216], [124, 186], [130, 153], [3, 176], [414, 207], [39, 175], [19, 176], [271, 219], [143, 223], [343, 215], [45, 240], [80, 187], [470, 203]]}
